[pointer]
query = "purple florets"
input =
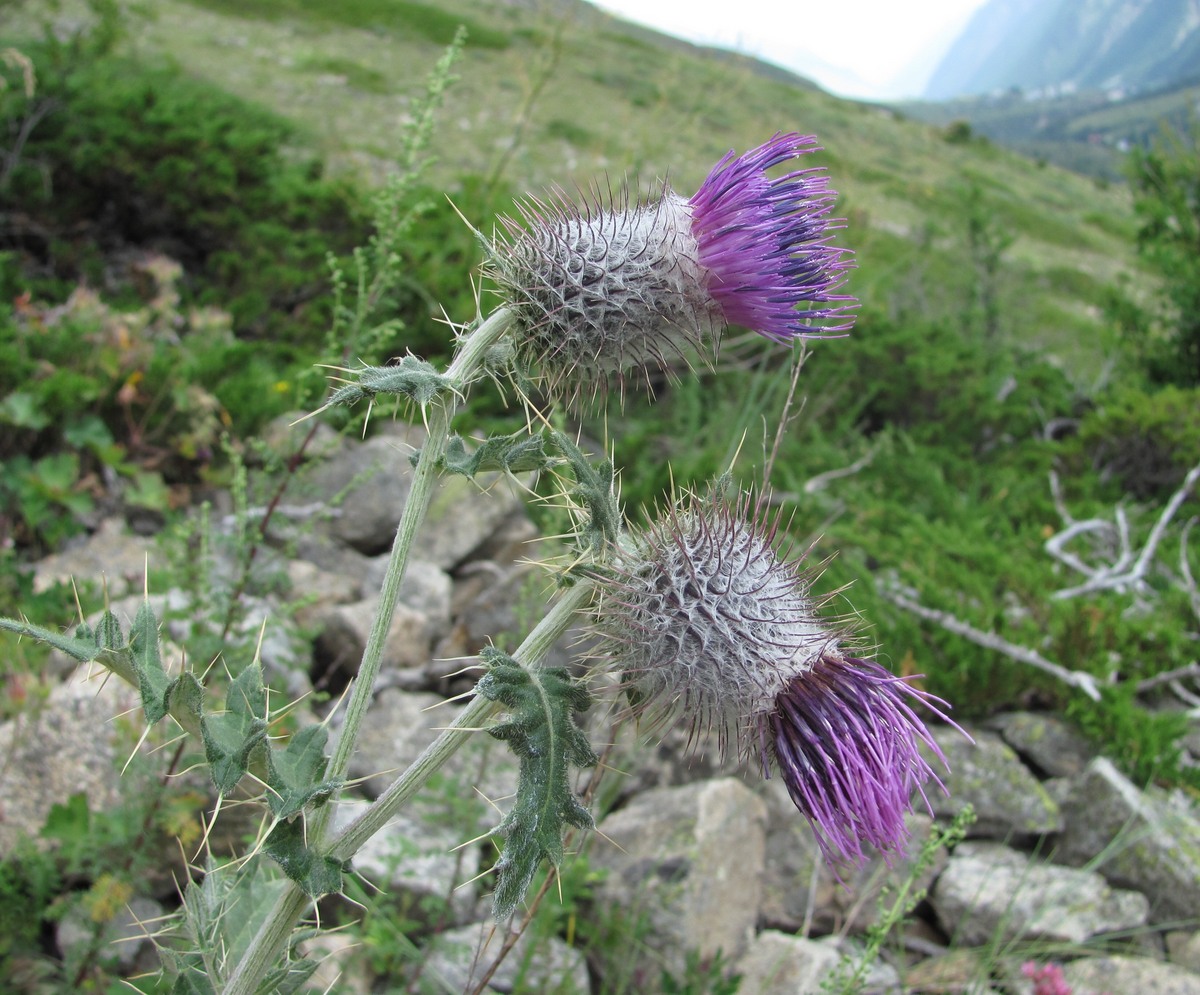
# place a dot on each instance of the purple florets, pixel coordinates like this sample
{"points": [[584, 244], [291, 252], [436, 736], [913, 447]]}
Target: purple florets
{"points": [[847, 744], [764, 243], [711, 624], [619, 286]]}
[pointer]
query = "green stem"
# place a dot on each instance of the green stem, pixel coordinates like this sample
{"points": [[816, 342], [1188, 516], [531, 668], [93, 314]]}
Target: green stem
{"points": [[530, 653], [271, 941]]}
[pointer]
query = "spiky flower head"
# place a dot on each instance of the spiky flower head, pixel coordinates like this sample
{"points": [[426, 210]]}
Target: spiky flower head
{"points": [[712, 622], [623, 285]]}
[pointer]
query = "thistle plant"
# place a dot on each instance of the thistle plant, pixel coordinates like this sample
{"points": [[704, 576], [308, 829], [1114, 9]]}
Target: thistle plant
{"points": [[706, 616]]}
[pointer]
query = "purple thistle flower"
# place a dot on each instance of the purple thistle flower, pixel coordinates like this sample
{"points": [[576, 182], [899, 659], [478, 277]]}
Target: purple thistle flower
{"points": [[619, 285], [711, 622], [847, 744], [765, 243]]}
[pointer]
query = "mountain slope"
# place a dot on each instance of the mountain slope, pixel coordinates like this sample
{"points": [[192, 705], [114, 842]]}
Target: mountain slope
{"points": [[564, 95], [1064, 45]]}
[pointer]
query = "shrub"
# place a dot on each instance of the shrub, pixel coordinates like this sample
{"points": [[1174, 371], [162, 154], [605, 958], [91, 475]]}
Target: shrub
{"points": [[139, 157], [1146, 442]]}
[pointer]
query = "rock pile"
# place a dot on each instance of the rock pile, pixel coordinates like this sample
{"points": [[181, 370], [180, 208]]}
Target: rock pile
{"points": [[1066, 855]]}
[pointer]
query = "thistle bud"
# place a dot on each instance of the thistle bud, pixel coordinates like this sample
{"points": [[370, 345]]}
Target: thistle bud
{"points": [[623, 285], [711, 623]]}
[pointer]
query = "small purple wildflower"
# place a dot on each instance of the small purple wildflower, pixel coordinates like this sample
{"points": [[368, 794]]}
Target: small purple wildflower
{"points": [[711, 622], [620, 285]]}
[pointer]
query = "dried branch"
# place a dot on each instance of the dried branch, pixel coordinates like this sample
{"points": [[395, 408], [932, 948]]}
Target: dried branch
{"points": [[1178, 673], [1125, 573], [989, 640], [1185, 568], [817, 483]]}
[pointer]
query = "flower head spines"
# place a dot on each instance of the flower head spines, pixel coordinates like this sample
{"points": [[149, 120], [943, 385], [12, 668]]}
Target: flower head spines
{"points": [[765, 243], [709, 619], [847, 743], [606, 289]]}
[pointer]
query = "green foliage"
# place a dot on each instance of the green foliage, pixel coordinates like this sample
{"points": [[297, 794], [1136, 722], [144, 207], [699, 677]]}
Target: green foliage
{"points": [[1144, 440], [135, 155], [223, 912], [515, 453], [1147, 743], [849, 976], [411, 378], [541, 731], [1166, 185], [403, 16], [595, 492]]}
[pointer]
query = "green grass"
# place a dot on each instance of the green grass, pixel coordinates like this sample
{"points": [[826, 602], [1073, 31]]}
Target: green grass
{"points": [[428, 22], [649, 110]]}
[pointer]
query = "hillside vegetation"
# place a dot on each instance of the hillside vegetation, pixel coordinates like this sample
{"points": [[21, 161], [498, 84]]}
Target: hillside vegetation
{"points": [[995, 468], [987, 345]]}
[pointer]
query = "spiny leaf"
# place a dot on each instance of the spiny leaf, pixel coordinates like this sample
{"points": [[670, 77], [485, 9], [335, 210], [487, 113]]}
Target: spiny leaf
{"points": [[410, 377], [314, 872], [541, 731], [294, 773], [108, 633], [223, 913], [185, 693], [153, 682], [594, 488], [230, 737], [516, 453], [82, 646]]}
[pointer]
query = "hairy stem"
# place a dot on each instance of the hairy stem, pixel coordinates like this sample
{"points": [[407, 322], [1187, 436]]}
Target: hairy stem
{"points": [[529, 654], [272, 938]]}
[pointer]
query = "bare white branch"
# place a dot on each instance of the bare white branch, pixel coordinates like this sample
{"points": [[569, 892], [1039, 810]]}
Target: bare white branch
{"points": [[821, 480], [1185, 568], [1059, 503], [1126, 573], [989, 640]]}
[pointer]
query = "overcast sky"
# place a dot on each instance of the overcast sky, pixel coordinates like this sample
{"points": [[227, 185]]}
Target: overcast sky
{"points": [[872, 49]]}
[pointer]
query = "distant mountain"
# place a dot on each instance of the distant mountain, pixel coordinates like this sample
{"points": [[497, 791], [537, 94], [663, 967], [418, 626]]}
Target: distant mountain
{"points": [[1052, 47]]}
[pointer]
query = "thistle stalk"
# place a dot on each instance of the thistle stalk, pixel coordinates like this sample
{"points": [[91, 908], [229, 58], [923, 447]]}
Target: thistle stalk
{"points": [[272, 938]]}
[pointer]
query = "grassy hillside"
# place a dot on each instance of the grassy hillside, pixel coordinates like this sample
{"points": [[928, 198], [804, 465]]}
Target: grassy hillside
{"points": [[561, 94]]}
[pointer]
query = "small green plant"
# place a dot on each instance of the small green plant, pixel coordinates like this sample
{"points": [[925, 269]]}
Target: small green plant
{"points": [[850, 974]]}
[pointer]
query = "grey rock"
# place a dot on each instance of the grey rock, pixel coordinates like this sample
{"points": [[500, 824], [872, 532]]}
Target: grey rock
{"points": [[1009, 802], [1183, 948], [499, 605], [285, 435], [781, 964], [457, 958], [367, 485], [1118, 975], [345, 629], [1140, 840], [463, 517], [690, 860], [66, 745], [1049, 743], [341, 966], [801, 889], [124, 941], [110, 554], [319, 590], [398, 726], [419, 862], [989, 891]]}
